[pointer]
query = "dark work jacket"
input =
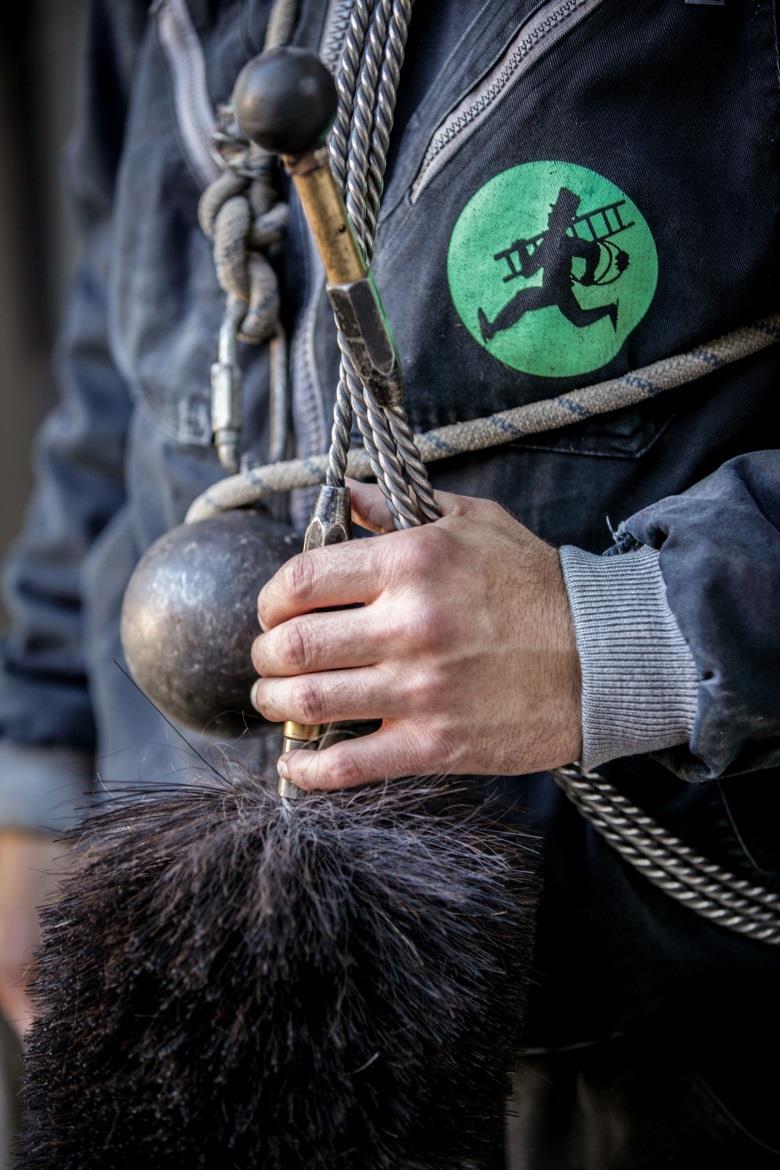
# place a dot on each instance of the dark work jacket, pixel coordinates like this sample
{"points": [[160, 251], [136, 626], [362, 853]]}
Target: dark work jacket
{"points": [[676, 105]]}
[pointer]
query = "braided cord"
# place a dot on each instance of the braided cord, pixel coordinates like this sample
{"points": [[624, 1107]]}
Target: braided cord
{"points": [[701, 885], [346, 85], [480, 434], [367, 85]]}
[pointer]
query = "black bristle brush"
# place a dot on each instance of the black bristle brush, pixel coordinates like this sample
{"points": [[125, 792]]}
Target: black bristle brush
{"points": [[231, 980]]}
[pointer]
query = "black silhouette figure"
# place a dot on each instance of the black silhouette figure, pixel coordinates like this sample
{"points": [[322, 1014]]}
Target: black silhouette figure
{"points": [[554, 253]]}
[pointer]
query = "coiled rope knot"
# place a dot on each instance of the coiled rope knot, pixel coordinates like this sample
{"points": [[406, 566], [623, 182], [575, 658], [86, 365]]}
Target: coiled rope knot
{"points": [[243, 214]]}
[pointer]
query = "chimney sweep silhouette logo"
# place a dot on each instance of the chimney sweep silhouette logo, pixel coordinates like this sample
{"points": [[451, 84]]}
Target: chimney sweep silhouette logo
{"points": [[550, 267]]}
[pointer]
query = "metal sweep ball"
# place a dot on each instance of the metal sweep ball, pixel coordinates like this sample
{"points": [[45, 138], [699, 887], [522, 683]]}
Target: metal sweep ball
{"points": [[189, 617], [231, 979]]}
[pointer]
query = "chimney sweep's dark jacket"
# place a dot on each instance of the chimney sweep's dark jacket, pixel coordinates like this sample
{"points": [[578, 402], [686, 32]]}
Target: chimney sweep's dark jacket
{"points": [[664, 111]]}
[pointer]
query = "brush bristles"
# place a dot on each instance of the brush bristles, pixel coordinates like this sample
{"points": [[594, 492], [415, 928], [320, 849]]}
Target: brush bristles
{"points": [[231, 981]]}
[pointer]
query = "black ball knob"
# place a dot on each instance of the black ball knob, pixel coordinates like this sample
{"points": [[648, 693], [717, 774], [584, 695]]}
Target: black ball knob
{"points": [[285, 101], [189, 617]]}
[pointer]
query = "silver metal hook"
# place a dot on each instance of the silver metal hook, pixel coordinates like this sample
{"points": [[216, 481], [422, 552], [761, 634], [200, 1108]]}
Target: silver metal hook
{"points": [[226, 390]]}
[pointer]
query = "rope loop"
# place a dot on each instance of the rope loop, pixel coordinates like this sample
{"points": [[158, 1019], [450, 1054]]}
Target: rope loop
{"points": [[244, 216]]}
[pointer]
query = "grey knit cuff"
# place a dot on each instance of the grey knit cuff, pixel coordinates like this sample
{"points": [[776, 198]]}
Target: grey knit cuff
{"points": [[639, 680], [43, 789]]}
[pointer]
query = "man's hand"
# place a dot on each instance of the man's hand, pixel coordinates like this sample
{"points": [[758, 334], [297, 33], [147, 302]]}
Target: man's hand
{"points": [[463, 647], [25, 882]]}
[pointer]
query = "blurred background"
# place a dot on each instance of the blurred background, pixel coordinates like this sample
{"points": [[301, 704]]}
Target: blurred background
{"points": [[38, 80], [38, 65]]}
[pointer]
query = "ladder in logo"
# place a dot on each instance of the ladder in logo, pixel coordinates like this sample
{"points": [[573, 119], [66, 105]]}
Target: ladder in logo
{"points": [[596, 225]]}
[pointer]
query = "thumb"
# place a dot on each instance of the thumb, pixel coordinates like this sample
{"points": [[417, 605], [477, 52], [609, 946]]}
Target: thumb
{"points": [[370, 511]]}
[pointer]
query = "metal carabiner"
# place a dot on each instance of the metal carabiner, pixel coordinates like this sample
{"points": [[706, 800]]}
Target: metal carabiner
{"points": [[226, 405], [226, 389]]}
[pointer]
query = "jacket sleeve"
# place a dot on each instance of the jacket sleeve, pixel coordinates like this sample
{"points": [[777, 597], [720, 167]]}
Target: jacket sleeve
{"points": [[46, 725], [693, 667]]}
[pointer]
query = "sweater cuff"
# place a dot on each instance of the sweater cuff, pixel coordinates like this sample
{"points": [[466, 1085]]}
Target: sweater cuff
{"points": [[43, 789], [639, 679]]}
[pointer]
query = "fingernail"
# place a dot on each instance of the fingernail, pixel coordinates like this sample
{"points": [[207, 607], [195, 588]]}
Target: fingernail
{"points": [[253, 696], [282, 769]]}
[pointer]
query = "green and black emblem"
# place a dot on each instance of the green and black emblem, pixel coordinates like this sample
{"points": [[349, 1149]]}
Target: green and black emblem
{"points": [[550, 267]]}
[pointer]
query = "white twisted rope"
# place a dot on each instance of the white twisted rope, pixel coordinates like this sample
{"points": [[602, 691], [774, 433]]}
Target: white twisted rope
{"points": [[477, 434]]}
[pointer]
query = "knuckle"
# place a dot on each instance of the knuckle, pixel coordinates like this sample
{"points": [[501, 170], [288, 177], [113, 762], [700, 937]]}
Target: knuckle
{"points": [[481, 508], [296, 645], [263, 612], [426, 625], [494, 511], [309, 701], [299, 577], [463, 506], [426, 551], [258, 654], [419, 688], [439, 626], [263, 702], [344, 771]]}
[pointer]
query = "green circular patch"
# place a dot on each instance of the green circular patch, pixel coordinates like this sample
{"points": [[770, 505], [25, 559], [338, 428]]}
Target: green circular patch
{"points": [[550, 267]]}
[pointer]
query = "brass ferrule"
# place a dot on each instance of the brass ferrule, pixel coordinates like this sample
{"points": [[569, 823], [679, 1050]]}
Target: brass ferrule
{"points": [[327, 217], [296, 737], [300, 734]]}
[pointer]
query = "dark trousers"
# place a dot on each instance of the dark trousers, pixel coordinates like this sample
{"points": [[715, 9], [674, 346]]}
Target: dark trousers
{"points": [[632, 1104]]}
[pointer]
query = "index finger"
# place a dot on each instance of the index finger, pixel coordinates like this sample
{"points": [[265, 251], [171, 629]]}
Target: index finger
{"points": [[352, 573]]}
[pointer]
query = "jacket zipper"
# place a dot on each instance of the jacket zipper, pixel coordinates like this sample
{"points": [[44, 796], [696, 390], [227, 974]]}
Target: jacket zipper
{"points": [[534, 38], [194, 113]]}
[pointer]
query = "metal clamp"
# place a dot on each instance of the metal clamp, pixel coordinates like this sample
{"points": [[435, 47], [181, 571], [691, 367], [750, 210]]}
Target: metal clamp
{"points": [[226, 390], [331, 520], [362, 320], [298, 737]]}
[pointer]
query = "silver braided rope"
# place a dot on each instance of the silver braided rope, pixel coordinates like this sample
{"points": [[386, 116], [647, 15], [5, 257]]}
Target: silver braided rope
{"points": [[346, 85], [668, 863], [367, 84], [352, 155], [409, 454], [398, 425], [374, 49]]}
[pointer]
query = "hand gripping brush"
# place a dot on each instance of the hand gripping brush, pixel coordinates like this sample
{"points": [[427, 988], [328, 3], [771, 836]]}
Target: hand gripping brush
{"points": [[231, 979]]}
